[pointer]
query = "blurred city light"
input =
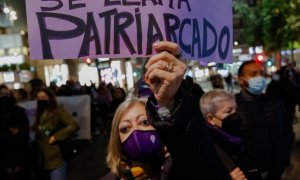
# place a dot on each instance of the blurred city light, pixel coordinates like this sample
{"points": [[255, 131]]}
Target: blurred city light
{"points": [[260, 57], [211, 64], [22, 33], [6, 10], [103, 59], [269, 63], [258, 49], [88, 60], [13, 13]]}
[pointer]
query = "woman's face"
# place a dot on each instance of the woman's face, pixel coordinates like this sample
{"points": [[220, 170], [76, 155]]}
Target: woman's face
{"points": [[42, 96], [133, 119], [225, 108]]}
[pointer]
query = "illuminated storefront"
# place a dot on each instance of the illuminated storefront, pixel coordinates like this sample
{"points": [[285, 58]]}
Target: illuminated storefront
{"points": [[14, 72], [56, 73]]}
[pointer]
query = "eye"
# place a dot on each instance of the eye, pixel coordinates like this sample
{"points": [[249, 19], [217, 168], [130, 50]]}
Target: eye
{"points": [[124, 130], [145, 122], [229, 111]]}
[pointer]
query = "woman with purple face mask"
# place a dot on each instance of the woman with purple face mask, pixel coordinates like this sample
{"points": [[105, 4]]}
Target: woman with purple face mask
{"points": [[135, 148]]}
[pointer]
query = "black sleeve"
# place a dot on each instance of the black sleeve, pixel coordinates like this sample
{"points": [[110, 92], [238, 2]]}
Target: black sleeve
{"points": [[22, 122], [188, 141]]}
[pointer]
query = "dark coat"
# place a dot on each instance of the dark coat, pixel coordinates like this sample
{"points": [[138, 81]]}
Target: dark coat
{"points": [[188, 141], [264, 130], [14, 149], [231, 145]]}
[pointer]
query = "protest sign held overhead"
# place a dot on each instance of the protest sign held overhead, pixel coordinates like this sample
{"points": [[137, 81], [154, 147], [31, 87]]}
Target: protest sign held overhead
{"points": [[63, 29]]}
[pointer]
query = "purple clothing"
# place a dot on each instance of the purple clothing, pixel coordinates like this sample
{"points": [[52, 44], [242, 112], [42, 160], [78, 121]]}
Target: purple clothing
{"points": [[232, 145]]}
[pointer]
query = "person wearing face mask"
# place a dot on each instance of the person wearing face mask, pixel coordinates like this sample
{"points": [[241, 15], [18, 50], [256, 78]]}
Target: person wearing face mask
{"points": [[264, 125], [53, 124], [217, 106], [171, 122], [286, 92], [14, 138], [135, 150]]}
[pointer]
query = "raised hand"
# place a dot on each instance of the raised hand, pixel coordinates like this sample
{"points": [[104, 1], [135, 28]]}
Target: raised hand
{"points": [[165, 72]]}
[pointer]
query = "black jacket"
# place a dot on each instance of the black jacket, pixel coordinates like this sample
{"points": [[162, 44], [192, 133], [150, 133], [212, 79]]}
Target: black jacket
{"points": [[188, 141], [264, 130], [230, 144], [13, 148]]}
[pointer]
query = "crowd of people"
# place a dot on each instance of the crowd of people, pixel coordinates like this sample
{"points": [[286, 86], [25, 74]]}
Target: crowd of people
{"points": [[46, 156], [172, 129]]}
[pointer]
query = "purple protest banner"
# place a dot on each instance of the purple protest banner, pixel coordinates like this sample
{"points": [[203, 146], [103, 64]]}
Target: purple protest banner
{"points": [[68, 29]]}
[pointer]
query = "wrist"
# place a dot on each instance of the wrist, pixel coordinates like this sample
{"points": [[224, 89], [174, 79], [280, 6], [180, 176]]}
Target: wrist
{"points": [[166, 104], [164, 110]]}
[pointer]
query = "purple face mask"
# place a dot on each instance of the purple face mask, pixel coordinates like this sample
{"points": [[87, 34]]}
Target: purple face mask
{"points": [[142, 145]]}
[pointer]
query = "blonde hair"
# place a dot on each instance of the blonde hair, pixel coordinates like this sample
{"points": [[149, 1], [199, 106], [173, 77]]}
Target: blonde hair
{"points": [[209, 102], [114, 146]]}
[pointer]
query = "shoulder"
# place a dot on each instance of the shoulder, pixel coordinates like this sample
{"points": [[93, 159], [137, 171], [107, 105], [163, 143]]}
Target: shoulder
{"points": [[271, 101], [238, 97], [19, 111], [19, 108], [61, 109]]}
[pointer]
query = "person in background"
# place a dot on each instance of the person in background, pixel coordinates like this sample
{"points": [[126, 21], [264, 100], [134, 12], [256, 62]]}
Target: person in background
{"points": [[264, 126], [141, 88], [118, 97], [216, 81], [283, 87], [104, 99], [229, 83], [53, 124], [23, 95], [14, 138], [217, 105]]}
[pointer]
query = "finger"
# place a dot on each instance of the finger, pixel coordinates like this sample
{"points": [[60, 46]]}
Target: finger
{"points": [[158, 78], [159, 64], [163, 56], [236, 170], [177, 71], [171, 47], [242, 177], [234, 173], [239, 174], [158, 74]]}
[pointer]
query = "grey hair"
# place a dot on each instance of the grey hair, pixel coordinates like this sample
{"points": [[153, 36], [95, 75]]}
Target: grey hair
{"points": [[209, 101]]}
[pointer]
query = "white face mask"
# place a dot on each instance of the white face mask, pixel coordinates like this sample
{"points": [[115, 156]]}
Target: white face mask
{"points": [[256, 85]]}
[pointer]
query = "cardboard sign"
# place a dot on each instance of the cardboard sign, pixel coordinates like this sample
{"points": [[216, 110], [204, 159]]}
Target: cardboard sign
{"points": [[127, 28]]}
